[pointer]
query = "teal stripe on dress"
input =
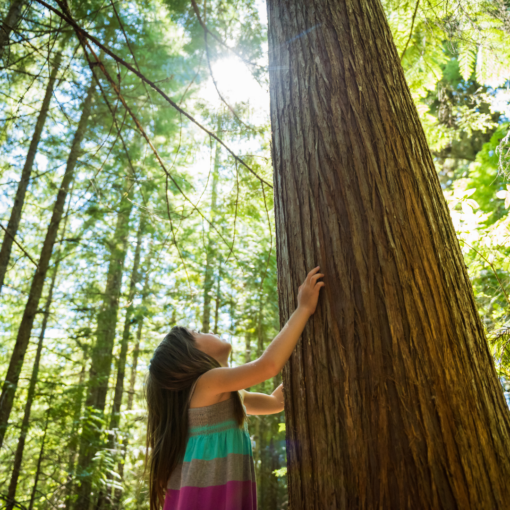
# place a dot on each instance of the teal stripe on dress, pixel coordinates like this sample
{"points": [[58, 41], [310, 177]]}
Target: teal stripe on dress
{"points": [[209, 447]]}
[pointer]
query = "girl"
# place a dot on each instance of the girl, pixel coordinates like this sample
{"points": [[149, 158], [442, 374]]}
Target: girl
{"points": [[200, 448]]}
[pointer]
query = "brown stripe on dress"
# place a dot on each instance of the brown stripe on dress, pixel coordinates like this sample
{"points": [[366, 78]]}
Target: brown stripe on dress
{"points": [[213, 414], [235, 467]]}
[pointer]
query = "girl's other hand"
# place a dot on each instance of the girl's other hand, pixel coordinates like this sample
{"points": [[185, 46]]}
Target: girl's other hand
{"points": [[308, 292]]}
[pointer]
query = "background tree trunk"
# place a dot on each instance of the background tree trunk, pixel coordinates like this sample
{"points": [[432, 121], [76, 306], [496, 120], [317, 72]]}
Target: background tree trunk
{"points": [[211, 245], [18, 456], [40, 458], [9, 23], [74, 442], [391, 396], [36, 288], [19, 199], [134, 366], [102, 352], [217, 302], [139, 329], [104, 500]]}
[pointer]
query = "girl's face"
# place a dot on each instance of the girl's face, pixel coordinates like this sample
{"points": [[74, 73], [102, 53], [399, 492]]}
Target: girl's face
{"points": [[214, 346]]}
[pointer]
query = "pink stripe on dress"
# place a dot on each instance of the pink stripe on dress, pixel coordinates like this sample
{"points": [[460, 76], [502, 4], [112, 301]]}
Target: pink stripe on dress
{"points": [[231, 496]]}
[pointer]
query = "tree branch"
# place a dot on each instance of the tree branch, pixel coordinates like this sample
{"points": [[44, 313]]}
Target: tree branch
{"points": [[152, 84], [18, 245], [411, 31]]}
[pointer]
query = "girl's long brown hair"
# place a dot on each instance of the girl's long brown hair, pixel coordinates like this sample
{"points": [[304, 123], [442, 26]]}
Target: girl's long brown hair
{"points": [[175, 366]]}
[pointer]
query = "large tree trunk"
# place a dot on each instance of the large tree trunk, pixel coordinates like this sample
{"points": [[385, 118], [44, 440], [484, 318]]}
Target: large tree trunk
{"points": [[391, 396], [18, 456], [10, 22], [102, 352], [19, 199], [27, 321]]}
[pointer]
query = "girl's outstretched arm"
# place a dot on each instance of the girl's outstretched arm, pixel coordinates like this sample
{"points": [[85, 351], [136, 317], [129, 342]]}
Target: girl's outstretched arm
{"points": [[260, 403], [225, 379]]}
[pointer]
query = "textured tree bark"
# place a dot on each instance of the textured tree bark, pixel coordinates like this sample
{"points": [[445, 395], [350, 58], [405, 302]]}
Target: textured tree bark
{"points": [[19, 199], [391, 396], [36, 288], [9, 23], [102, 352]]}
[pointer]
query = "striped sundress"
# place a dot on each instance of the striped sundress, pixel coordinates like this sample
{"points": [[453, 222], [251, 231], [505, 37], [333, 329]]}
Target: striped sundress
{"points": [[218, 471]]}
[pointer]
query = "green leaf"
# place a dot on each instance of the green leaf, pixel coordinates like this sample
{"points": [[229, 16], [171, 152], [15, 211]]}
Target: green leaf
{"points": [[280, 472], [467, 57]]}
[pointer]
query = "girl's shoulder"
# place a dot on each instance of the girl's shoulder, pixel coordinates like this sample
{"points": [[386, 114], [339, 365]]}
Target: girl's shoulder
{"points": [[201, 398]]}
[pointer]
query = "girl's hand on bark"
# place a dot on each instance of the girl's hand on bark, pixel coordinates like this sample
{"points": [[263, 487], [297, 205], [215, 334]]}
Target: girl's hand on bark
{"points": [[278, 395], [308, 292]]}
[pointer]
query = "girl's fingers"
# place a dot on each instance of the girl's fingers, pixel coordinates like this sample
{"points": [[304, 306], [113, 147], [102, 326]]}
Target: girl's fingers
{"points": [[315, 277], [312, 272]]}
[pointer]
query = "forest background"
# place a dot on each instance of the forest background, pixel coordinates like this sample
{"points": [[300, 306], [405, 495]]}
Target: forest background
{"points": [[175, 225]]}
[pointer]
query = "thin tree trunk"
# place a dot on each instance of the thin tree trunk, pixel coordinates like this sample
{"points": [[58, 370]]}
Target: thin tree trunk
{"points": [[217, 304], [27, 321], [121, 361], [140, 321], [121, 364], [273, 454], [9, 23], [136, 353], [268, 486], [258, 435], [247, 348], [102, 352], [40, 459], [73, 443], [391, 396], [132, 380], [210, 250], [18, 456], [19, 199]]}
